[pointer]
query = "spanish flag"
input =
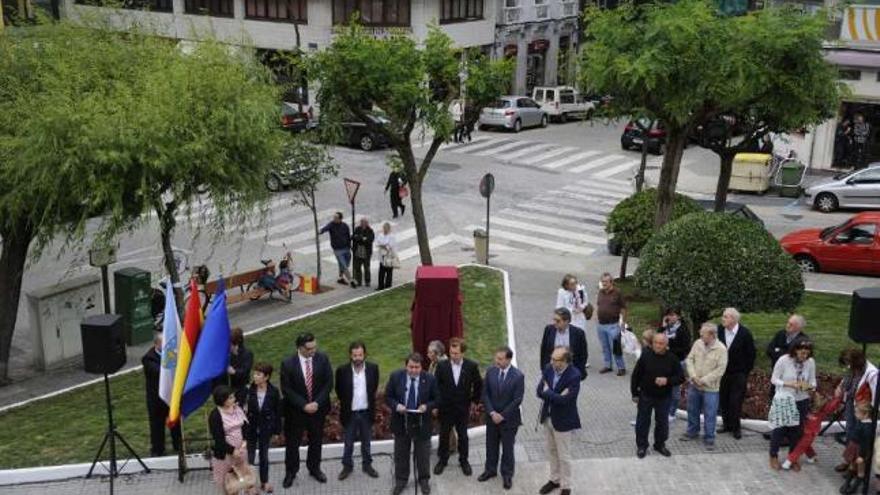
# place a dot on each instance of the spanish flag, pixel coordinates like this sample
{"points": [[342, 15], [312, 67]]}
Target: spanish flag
{"points": [[211, 357], [192, 327]]}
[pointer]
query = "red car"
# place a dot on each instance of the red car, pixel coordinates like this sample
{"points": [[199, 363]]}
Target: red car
{"points": [[851, 247]]}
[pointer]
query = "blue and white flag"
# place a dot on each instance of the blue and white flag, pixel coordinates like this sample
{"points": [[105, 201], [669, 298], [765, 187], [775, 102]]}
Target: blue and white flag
{"points": [[170, 336]]}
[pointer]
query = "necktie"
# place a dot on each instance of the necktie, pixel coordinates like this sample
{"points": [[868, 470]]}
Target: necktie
{"points": [[501, 378], [309, 378], [411, 402]]}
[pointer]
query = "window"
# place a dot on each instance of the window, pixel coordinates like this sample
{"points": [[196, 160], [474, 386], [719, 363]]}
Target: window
{"points": [[460, 10], [871, 176], [566, 96], [850, 74], [857, 234], [276, 10], [216, 8], [372, 12]]}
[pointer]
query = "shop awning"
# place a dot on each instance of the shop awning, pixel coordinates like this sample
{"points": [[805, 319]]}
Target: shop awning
{"points": [[861, 23]]}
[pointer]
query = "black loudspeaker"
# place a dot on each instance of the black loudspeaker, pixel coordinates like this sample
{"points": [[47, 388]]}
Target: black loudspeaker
{"points": [[864, 316], [103, 344]]}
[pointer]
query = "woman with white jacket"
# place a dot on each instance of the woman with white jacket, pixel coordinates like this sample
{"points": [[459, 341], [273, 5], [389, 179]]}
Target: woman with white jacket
{"points": [[573, 297], [388, 260]]}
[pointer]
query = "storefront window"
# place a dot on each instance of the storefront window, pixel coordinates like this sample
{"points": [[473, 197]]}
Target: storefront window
{"points": [[372, 12], [276, 10]]}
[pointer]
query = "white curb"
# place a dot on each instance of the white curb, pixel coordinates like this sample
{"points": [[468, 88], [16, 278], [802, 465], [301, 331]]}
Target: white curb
{"points": [[197, 461]]}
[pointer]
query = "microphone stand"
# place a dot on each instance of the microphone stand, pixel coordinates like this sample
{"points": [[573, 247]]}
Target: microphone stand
{"points": [[413, 429]]}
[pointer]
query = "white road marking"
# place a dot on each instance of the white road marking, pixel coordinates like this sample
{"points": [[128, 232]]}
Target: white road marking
{"points": [[569, 159], [595, 163], [532, 160], [608, 172], [533, 227], [550, 220], [536, 241]]}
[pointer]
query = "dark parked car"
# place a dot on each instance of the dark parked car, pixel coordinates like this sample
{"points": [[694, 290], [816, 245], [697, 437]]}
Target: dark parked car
{"points": [[295, 120], [356, 133], [731, 207], [632, 137]]}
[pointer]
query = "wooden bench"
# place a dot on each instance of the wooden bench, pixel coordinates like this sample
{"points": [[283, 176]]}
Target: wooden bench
{"points": [[245, 282]]}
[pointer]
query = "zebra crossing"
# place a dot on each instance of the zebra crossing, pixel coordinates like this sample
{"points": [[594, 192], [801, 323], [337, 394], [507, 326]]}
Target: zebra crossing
{"points": [[568, 220], [601, 164]]}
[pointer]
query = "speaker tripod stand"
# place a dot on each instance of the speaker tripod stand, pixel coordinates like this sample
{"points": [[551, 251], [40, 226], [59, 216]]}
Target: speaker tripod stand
{"points": [[110, 436]]}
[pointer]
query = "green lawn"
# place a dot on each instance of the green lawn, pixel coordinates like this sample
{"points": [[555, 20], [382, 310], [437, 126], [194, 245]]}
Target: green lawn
{"points": [[827, 324], [68, 428]]}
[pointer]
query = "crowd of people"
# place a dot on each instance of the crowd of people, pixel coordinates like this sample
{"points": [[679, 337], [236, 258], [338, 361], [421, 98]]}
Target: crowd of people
{"points": [[357, 247], [251, 412]]}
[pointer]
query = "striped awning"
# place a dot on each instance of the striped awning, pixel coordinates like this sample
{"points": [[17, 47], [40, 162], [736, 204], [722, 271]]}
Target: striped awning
{"points": [[861, 23]]}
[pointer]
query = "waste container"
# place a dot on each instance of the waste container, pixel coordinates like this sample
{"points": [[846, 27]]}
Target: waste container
{"points": [[751, 172], [132, 297], [481, 246], [791, 175]]}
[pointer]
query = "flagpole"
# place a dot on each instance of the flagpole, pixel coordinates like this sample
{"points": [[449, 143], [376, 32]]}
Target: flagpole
{"points": [[181, 456]]}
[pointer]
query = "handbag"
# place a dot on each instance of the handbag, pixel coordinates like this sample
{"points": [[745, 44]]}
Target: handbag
{"points": [[390, 260], [239, 478], [403, 192], [588, 311], [629, 341]]}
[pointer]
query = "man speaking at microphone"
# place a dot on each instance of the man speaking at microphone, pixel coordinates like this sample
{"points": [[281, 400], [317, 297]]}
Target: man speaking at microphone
{"points": [[412, 395]]}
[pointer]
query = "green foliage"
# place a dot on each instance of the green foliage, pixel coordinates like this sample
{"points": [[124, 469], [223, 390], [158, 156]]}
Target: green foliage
{"points": [[631, 222], [705, 262], [308, 164], [486, 81]]}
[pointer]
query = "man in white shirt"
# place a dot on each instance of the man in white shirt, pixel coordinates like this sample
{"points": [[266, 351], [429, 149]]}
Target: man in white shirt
{"points": [[460, 384], [356, 384]]}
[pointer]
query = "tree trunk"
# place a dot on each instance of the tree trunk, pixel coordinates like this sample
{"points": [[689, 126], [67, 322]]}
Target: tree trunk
{"points": [[12, 260], [640, 176], [675, 141], [314, 208], [624, 258], [414, 178], [723, 180], [165, 213]]}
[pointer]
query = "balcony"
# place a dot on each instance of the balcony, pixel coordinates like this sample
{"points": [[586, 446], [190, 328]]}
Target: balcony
{"points": [[512, 15]]}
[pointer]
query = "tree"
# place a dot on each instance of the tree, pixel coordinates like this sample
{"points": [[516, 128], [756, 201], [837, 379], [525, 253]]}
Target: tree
{"points": [[706, 261], [409, 84], [486, 80], [665, 60], [631, 222], [96, 123], [783, 82], [308, 164]]}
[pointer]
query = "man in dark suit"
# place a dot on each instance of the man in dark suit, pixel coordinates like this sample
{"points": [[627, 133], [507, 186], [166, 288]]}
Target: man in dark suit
{"points": [[356, 384], [411, 394], [502, 395], [157, 410], [459, 384], [782, 342], [740, 361], [558, 389], [306, 381], [562, 334]]}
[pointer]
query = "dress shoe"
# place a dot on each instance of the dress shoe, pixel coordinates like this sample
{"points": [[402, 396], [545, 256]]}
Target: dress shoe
{"points": [[371, 472], [565, 491], [508, 483], [774, 463], [319, 476], [439, 467], [345, 473], [288, 480], [621, 372], [466, 468], [486, 476], [604, 370], [398, 489], [724, 429], [548, 487], [663, 451], [341, 281], [424, 487], [737, 434], [641, 453]]}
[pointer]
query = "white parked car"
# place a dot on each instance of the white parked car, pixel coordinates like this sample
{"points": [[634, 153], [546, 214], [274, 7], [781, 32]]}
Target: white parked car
{"points": [[563, 102]]}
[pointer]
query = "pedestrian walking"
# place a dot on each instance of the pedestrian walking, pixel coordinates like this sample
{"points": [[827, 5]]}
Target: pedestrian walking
{"points": [[362, 249], [503, 392], [306, 381], [157, 409], [705, 366], [679, 336], [356, 385], [561, 333], [794, 376], [740, 361], [411, 394], [611, 315], [395, 184], [861, 135], [457, 112], [558, 389], [340, 242], [388, 260], [459, 385], [651, 384], [264, 410]]}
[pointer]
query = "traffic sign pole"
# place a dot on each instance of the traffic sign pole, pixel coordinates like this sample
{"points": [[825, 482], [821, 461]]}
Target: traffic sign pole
{"points": [[351, 189], [487, 186]]}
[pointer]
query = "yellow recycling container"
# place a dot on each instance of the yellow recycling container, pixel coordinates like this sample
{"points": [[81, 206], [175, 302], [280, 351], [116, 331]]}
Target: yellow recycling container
{"points": [[751, 172]]}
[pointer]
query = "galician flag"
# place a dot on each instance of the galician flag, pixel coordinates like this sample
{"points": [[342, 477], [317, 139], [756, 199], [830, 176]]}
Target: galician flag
{"points": [[170, 338], [211, 357], [192, 326]]}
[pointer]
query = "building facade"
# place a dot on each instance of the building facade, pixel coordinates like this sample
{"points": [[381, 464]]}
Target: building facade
{"points": [[542, 36]]}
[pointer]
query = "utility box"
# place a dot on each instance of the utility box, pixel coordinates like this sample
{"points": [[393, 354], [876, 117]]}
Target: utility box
{"points": [[481, 246], [133, 303], [55, 316]]}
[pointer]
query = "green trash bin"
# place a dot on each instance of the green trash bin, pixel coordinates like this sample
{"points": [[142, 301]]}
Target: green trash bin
{"points": [[132, 297], [791, 174]]}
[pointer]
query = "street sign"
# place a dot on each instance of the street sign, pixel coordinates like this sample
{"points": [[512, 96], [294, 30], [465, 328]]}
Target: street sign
{"points": [[351, 188], [487, 185]]}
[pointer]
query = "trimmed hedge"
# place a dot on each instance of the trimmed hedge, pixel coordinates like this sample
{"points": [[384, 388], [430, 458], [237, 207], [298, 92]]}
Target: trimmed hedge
{"points": [[631, 222]]}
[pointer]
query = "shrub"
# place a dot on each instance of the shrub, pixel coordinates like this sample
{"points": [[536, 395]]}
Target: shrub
{"points": [[707, 261], [631, 222]]}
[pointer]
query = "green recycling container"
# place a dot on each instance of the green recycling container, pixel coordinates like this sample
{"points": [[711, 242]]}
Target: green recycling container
{"points": [[790, 179], [132, 298]]}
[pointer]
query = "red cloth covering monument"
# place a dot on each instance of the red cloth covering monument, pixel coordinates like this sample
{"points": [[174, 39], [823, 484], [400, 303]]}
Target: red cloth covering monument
{"points": [[436, 308]]}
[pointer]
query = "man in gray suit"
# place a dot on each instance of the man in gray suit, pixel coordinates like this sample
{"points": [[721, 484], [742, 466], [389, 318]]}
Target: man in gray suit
{"points": [[411, 394], [502, 395]]}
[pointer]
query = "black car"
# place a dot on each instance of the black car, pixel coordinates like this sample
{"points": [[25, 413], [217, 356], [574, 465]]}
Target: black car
{"points": [[731, 207], [356, 133], [632, 137], [296, 117]]}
